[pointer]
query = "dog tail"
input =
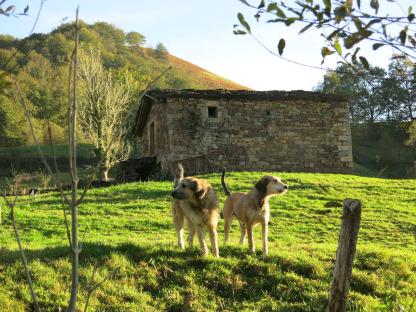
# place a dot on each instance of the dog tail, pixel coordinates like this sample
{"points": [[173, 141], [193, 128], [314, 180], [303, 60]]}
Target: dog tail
{"points": [[179, 174], [224, 186]]}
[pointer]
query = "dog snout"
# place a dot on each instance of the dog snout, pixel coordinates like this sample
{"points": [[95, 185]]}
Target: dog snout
{"points": [[285, 187], [173, 194]]}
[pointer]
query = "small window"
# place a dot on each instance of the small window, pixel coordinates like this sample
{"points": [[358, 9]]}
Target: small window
{"points": [[212, 112]]}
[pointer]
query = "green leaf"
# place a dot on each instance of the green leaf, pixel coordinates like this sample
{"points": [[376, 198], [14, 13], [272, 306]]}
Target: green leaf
{"points": [[358, 24], [338, 47], [239, 32], [280, 13], [377, 45], [289, 21], [403, 35], [409, 10], [262, 4], [412, 40], [245, 2], [281, 46], [305, 28], [364, 62], [243, 22], [327, 6], [374, 5], [353, 39], [411, 17], [10, 9], [272, 7]]}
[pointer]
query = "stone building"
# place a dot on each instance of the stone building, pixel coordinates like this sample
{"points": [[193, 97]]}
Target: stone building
{"points": [[245, 130]]}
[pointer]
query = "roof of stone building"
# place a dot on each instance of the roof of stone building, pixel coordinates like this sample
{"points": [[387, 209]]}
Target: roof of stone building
{"points": [[158, 94]]}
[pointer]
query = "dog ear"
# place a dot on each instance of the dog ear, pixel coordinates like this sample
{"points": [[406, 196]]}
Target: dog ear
{"points": [[261, 187], [202, 189]]}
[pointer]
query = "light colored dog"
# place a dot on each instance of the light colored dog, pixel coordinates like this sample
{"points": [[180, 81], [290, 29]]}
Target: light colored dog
{"points": [[251, 209], [194, 200]]}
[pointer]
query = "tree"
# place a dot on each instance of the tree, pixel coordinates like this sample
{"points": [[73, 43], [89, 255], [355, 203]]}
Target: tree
{"points": [[342, 23], [135, 39], [161, 51], [44, 87], [103, 105], [402, 72], [12, 123], [363, 91]]}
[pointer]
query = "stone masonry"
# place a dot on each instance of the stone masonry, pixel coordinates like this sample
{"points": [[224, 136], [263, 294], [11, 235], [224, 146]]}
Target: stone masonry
{"points": [[247, 130]]}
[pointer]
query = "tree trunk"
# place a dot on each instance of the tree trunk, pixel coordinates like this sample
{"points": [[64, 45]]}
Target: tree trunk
{"points": [[103, 173]]}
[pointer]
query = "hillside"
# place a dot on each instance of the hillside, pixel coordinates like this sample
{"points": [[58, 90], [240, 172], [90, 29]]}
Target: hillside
{"points": [[40, 64], [131, 241], [208, 79]]}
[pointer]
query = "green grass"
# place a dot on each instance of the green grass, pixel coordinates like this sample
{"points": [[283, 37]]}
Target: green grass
{"points": [[130, 238]]}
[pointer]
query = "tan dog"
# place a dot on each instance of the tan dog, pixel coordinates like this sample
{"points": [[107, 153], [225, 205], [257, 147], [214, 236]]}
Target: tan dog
{"points": [[194, 200], [251, 208]]}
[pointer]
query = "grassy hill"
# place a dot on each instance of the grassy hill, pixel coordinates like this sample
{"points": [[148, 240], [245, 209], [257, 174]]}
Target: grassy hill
{"points": [[130, 238], [207, 79], [40, 64]]}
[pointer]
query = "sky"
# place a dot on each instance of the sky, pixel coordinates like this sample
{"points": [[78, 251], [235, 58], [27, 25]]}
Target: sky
{"points": [[200, 31]]}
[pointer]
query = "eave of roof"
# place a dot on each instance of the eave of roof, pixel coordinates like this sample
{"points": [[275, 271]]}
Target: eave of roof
{"points": [[298, 95]]}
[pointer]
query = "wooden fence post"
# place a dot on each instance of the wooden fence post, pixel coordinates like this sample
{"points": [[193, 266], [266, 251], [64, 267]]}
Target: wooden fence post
{"points": [[186, 301], [347, 243]]}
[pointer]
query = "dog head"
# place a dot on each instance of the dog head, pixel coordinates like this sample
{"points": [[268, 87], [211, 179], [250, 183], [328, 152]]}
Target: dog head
{"points": [[270, 186], [192, 189]]}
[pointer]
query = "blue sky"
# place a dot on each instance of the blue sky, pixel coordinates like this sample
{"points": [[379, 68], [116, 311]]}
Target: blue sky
{"points": [[200, 31]]}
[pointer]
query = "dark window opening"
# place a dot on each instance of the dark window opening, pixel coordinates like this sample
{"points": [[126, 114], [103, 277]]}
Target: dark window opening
{"points": [[212, 112], [152, 139]]}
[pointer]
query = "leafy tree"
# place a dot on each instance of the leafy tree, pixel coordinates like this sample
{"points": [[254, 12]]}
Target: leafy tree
{"points": [[45, 87], [135, 39], [161, 52], [12, 123], [56, 49], [402, 72], [345, 24], [363, 91], [111, 36], [7, 41]]}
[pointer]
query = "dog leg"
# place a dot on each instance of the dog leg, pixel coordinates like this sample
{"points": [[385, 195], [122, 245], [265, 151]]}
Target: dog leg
{"points": [[228, 218], [227, 228], [191, 235], [243, 233], [214, 241], [264, 237], [250, 238], [201, 236], [178, 220]]}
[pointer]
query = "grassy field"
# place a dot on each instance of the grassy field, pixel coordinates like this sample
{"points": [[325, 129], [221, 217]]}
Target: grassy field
{"points": [[130, 239]]}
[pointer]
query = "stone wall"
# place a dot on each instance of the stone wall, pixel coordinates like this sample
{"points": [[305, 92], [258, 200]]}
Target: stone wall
{"points": [[269, 135]]}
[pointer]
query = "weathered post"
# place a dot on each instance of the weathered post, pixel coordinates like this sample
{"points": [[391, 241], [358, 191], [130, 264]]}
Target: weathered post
{"points": [[347, 243], [186, 301]]}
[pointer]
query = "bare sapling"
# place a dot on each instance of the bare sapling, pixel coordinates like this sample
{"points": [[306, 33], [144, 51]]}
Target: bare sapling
{"points": [[11, 204]]}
